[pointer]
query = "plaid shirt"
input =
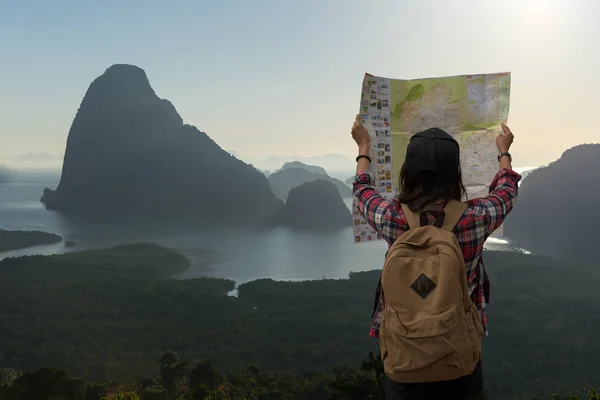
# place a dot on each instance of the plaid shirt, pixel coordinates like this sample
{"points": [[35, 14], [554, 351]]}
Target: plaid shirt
{"points": [[482, 217]]}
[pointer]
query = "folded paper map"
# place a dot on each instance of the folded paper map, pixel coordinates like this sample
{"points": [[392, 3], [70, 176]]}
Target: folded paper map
{"points": [[471, 108]]}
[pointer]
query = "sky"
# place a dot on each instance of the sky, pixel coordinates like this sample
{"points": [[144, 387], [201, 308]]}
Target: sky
{"points": [[283, 78]]}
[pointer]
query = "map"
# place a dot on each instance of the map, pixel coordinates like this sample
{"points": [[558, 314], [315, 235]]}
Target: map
{"points": [[471, 108]]}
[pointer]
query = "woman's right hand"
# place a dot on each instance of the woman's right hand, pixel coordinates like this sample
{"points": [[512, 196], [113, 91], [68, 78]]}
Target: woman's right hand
{"points": [[360, 134], [504, 140]]}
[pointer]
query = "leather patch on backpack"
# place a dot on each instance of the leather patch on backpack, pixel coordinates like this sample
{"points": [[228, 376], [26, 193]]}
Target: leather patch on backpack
{"points": [[423, 286]]}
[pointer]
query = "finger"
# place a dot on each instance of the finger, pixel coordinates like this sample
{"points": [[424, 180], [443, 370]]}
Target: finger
{"points": [[506, 129]]}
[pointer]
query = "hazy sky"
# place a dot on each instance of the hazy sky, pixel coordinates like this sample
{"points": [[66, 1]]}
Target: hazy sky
{"points": [[283, 78]]}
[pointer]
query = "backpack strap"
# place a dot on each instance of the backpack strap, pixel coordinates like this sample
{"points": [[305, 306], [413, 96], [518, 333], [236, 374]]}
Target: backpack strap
{"points": [[378, 292], [447, 219], [417, 219], [411, 216], [486, 283], [454, 210], [377, 298]]}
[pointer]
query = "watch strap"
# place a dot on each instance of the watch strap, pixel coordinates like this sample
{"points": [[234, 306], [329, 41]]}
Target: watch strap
{"points": [[504, 154]]}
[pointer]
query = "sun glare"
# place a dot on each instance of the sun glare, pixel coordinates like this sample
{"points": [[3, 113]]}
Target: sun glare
{"points": [[538, 13]]}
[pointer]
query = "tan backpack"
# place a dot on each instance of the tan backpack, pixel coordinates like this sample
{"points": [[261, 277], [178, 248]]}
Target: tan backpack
{"points": [[430, 329]]}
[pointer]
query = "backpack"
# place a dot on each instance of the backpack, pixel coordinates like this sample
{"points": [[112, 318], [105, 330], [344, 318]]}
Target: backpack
{"points": [[430, 329]]}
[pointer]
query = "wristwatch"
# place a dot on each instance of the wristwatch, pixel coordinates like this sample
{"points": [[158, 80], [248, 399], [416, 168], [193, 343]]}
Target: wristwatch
{"points": [[505, 154]]}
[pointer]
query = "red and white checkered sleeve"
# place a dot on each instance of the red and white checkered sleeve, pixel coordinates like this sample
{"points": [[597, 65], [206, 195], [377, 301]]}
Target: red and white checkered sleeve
{"points": [[501, 199], [372, 206]]}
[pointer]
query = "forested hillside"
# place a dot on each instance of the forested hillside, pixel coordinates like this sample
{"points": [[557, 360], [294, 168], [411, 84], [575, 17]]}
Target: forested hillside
{"points": [[111, 314], [179, 379]]}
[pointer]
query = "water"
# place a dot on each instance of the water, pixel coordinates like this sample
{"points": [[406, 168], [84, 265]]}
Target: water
{"points": [[242, 256]]}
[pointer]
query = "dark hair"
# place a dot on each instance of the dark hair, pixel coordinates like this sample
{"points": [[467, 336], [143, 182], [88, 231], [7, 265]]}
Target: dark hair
{"points": [[428, 187]]}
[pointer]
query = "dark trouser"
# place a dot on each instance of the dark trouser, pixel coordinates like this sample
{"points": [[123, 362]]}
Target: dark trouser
{"points": [[468, 387]]}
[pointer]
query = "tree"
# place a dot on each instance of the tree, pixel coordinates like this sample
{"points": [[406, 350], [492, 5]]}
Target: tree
{"points": [[172, 374], [204, 378], [48, 383], [7, 376], [126, 395], [94, 392], [373, 366], [349, 384], [222, 392]]}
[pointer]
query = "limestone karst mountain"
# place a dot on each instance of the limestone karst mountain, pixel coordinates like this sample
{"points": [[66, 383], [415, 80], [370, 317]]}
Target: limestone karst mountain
{"points": [[295, 173], [315, 205], [556, 213], [129, 155]]}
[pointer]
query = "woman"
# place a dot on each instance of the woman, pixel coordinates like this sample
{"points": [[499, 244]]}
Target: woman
{"points": [[429, 179]]}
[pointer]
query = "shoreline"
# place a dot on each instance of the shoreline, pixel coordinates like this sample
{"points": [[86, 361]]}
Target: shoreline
{"points": [[209, 263]]}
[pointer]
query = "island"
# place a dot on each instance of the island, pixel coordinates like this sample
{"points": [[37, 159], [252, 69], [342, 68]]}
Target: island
{"points": [[15, 240], [293, 174], [129, 157], [315, 206]]}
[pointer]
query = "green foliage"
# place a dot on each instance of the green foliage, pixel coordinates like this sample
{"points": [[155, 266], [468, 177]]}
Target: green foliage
{"points": [[97, 315], [49, 383], [205, 382], [204, 379], [12, 240], [8, 376], [127, 395], [172, 374], [140, 261], [94, 391]]}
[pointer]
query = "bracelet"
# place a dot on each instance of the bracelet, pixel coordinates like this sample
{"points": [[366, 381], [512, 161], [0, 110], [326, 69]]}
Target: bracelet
{"points": [[363, 156], [504, 154]]}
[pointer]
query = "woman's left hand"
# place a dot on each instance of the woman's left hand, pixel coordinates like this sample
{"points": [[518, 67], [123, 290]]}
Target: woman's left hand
{"points": [[360, 134]]}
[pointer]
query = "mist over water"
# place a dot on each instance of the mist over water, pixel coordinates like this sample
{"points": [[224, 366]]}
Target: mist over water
{"points": [[241, 255]]}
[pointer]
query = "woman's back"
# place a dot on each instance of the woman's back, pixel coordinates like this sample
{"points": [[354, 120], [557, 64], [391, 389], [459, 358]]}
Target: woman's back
{"points": [[481, 218], [431, 172]]}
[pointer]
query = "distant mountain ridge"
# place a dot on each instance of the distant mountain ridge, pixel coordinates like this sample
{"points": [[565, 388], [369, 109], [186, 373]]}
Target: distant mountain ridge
{"points": [[556, 213], [314, 205], [335, 164], [297, 164], [294, 174], [6, 174], [34, 160], [130, 156]]}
